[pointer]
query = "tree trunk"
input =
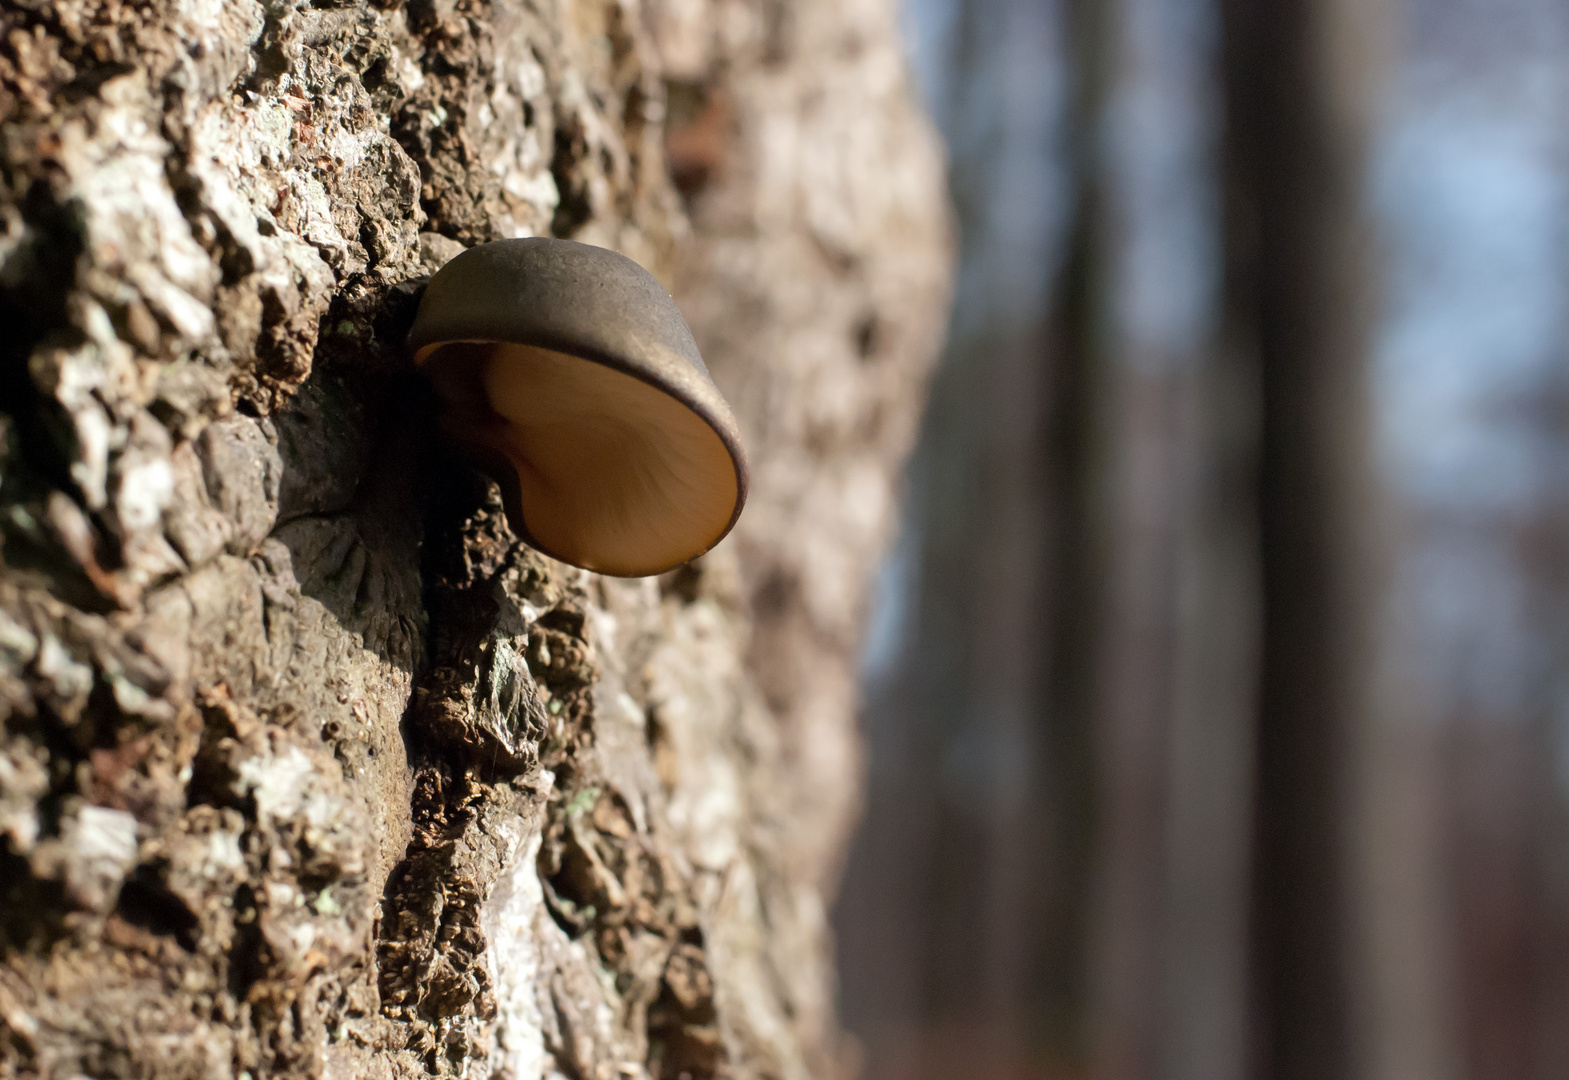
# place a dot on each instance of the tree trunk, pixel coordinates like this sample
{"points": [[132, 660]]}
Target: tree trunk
{"points": [[308, 767], [1349, 970]]}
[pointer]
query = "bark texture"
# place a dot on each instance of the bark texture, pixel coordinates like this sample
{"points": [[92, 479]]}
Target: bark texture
{"points": [[307, 767]]}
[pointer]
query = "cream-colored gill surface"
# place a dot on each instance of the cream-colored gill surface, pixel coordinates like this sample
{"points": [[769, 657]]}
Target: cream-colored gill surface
{"points": [[615, 475]]}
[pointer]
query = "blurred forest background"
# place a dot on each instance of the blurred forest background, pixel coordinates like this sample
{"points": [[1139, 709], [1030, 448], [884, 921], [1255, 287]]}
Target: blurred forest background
{"points": [[1216, 696]]}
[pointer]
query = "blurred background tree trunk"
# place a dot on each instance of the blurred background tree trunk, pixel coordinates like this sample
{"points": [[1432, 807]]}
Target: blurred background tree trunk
{"points": [[308, 768], [1346, 932]]}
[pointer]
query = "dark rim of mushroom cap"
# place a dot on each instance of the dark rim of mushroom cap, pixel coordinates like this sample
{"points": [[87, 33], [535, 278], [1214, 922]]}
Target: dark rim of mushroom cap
{"points": [[586, 302]]}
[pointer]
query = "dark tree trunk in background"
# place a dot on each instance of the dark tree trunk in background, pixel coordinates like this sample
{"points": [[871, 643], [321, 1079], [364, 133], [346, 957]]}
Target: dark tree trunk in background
{"points": [[1293, 201], [1348, 978], [307, 768]]}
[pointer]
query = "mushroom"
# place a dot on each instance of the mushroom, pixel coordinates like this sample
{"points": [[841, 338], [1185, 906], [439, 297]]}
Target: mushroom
{"points": [[567, 373]]}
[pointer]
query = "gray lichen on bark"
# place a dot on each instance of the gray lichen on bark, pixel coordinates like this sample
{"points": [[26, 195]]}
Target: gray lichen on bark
{"points": [[307, 767]]}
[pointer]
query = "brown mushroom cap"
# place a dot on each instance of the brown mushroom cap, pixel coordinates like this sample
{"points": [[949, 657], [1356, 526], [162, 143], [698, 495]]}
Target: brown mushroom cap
{"points": [[567, 372]]}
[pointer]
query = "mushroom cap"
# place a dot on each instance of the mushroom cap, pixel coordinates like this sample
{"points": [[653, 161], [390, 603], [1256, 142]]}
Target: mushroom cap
{"points": [[566, 371]]}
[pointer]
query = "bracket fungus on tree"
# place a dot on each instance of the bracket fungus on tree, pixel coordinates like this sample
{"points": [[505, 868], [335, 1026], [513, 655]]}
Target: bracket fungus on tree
{"points": [[567, 373]]}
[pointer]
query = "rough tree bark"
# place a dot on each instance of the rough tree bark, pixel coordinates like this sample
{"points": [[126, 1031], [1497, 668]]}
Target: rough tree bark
{"points": [[307, 767]]}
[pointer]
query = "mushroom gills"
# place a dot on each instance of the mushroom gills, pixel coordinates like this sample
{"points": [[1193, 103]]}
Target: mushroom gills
{"points": [[613, 474]]}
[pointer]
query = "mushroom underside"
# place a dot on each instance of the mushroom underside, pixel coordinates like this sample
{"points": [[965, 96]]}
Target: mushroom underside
{"points": [[613, 474]]}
